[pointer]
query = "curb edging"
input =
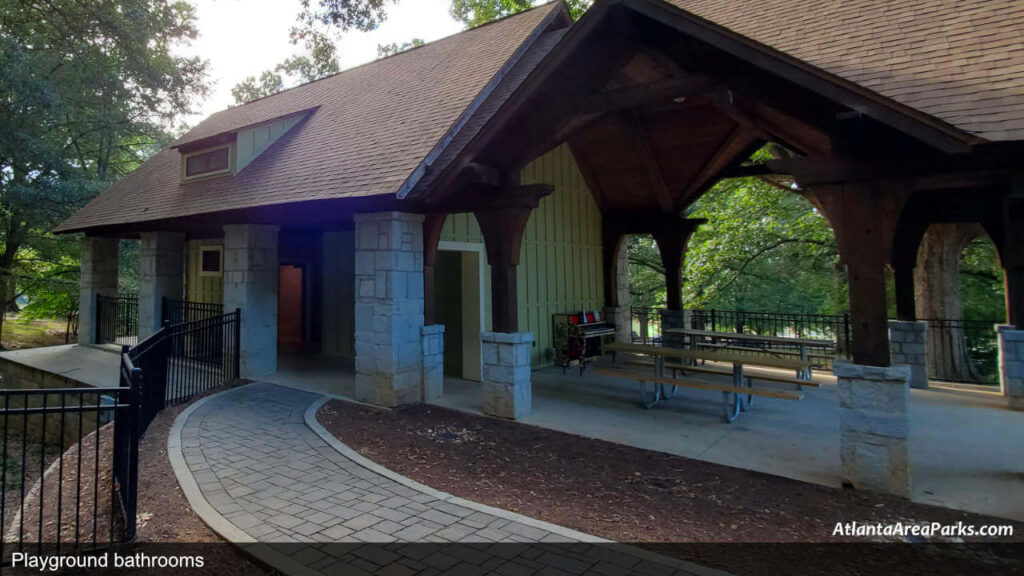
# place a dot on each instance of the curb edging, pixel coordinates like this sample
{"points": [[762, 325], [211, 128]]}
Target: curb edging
{"points": [[348, 452]]}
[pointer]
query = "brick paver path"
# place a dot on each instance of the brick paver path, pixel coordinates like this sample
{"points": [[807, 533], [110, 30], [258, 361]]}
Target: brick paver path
{"points": [[259, 465]]}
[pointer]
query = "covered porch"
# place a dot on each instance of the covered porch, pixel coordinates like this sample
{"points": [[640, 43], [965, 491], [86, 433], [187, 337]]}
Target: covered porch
{"points": [[612, 127]]}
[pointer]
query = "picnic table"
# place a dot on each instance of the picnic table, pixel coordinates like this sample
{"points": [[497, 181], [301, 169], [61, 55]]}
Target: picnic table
{"points": [[802, 344], [737, 397]]}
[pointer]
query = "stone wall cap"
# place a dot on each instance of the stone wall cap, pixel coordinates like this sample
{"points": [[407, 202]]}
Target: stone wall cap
{"points": [[1008, 329], [896, 373], [432, 329], [392, 215], [909, 324], [503, 338]]}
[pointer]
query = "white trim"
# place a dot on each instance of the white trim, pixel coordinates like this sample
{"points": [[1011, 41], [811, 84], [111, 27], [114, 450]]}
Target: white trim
{"points": [[446, 246], [218, 248], [186, 177]]}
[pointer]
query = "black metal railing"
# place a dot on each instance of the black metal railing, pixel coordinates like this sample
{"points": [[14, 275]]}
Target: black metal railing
{"points": [[181, 311], [180, 361], [69, 479], [117, 319], [963, 351], [70, 469]]}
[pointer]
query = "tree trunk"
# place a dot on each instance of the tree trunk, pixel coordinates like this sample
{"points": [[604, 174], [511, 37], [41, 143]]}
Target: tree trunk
{"points": [[937, 297]]}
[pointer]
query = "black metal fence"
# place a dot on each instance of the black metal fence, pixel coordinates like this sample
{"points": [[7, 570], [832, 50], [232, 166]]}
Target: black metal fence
{"points": [[180, 361], [69, 479], [963, 351], [70, 469], [181, 311], [117, 319]]}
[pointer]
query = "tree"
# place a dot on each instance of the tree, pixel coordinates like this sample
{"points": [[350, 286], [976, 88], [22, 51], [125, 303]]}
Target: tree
{"points": [[320, 61], [90, 89], [473, 13], [384, 50]]}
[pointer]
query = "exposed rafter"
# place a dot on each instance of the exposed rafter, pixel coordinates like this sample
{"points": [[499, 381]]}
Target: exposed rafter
{"points": [[654, 93], [640, 144], [735, 144]]}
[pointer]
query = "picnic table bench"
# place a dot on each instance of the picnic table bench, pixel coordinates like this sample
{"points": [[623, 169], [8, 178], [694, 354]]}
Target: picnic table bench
{"points": [[737, 397], [751, 340]]}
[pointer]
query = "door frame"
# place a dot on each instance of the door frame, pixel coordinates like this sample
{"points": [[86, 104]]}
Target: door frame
{"points": [[481, 254], [302, 298]]}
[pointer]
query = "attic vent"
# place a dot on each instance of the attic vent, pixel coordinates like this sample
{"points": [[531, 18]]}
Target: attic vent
{"points": [[208, 162]]}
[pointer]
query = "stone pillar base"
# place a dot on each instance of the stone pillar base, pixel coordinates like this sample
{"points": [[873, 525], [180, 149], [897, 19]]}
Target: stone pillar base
{"points": [[433, 361], [1011, 365], [908, 343], [873, 427], [620, 316], [674, 319], [506, 375]]}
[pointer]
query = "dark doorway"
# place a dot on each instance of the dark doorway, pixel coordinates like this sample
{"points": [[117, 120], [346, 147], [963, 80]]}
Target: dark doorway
{"points": [[448, 300], [290, 307]]}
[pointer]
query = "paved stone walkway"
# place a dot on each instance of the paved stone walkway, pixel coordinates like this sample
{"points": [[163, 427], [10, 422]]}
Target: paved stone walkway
{"points": [[262, 468]]}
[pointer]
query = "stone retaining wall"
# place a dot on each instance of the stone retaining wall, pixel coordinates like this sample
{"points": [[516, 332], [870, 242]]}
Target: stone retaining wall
{"points": [[17, 376]]}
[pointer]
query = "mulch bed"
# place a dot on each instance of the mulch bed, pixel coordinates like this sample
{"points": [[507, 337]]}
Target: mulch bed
{"points": [[628, 494], [164, 517]]}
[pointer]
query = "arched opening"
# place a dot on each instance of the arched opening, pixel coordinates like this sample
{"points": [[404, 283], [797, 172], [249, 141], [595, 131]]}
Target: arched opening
{"points": [[958, 290]]}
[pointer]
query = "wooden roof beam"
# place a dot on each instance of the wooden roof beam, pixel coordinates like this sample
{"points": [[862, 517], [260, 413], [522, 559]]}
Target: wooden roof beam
{"points": [[640, 143], [736, 143], [633, 96]]}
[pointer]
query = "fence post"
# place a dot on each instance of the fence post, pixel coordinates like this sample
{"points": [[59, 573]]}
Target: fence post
{"points": [[238, 342], [713, 328], [99, 320], [132, 489], [846, 334]]}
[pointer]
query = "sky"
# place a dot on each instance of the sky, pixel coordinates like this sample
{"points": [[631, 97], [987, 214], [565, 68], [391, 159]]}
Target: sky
{"points": [[242, 38]]}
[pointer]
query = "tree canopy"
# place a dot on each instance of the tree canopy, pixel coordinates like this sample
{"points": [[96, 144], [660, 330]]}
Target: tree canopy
{"points": [[90, 90]]}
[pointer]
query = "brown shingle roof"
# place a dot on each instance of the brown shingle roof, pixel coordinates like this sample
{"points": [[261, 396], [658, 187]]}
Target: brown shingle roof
{"points": [[961, 61], [374, 125]]}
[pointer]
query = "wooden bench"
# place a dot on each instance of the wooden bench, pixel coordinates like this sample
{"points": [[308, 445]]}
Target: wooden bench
{"points": [[733, 401], [746, 374], [709, 355]]}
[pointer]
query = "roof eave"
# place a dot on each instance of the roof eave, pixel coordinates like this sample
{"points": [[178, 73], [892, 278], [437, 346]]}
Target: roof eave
{"points": [[924, 127], [427, 164]]}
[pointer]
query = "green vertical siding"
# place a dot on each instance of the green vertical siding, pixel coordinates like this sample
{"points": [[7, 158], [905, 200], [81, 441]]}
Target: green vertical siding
{"points": [[208, 289], [339, 293], [560, 262]]}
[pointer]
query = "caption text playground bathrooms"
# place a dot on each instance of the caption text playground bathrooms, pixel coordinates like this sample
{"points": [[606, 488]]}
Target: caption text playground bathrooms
{"points": [[55, 563]]}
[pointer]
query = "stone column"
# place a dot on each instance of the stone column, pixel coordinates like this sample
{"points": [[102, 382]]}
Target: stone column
{"points": [[1011, 365], [620, 314], [433, 361], [251, 276], [674, 319], [506, 376], [873, 427], [908, 344], [98, 276], [389, 308], [161, 275]]}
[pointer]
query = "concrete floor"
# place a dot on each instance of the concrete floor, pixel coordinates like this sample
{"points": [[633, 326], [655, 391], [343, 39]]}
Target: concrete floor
{"points": [[965, 447], [90, 365]]}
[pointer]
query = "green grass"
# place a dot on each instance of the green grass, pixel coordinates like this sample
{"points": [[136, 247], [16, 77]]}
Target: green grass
{"points": [[25, 333]]}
